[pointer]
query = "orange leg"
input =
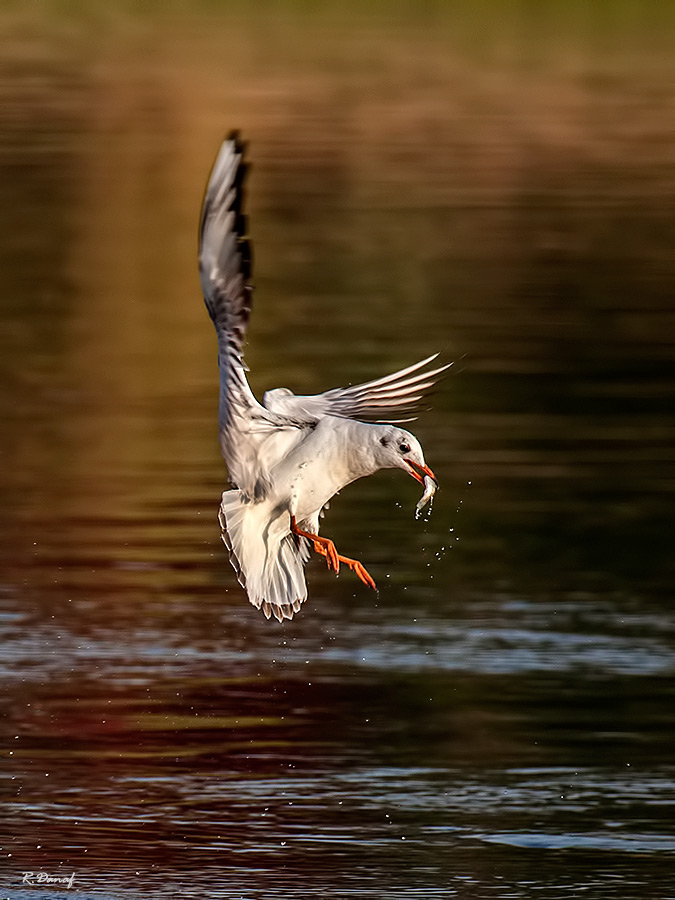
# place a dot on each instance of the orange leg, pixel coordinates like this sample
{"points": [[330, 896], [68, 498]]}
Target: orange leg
{"points": [[326, 547], [357, 567], [322, 545]]}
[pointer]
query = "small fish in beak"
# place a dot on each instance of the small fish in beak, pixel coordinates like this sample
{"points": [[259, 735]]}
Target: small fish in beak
{"points": [[430, 488]]}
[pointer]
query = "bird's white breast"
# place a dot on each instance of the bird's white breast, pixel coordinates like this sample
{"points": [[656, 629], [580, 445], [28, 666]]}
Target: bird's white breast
{"points": [[330, 457]]}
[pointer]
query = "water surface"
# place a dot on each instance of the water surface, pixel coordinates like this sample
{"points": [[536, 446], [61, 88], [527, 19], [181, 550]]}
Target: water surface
{"points": [[498, 720]]}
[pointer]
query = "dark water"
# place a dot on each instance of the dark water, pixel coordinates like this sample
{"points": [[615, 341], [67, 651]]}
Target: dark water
{"points": [[498, 721]]}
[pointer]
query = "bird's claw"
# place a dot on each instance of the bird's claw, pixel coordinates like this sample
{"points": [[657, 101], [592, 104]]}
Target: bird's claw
{"points": [[357, 567], [363, 574], [326, 547]]}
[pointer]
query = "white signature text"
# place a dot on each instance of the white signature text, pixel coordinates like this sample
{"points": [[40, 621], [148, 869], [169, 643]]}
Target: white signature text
{"points": [[46, 878]]}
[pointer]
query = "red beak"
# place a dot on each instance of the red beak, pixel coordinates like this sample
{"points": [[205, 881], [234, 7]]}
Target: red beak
{"points": [[416, 469]]}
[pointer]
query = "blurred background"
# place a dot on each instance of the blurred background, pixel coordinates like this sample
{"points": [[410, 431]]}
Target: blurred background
{"points": [[490, 180]]}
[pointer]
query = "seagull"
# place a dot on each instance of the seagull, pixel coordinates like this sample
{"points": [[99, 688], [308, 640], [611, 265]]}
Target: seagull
{"points": [[288, 457]]}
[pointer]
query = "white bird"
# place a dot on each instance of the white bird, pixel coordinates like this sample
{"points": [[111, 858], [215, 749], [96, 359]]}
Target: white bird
{"points": [[289, 456]]}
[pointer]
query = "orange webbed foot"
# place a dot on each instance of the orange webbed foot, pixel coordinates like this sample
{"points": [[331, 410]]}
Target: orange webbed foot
{"points": [[360, 570], [326, 547]]}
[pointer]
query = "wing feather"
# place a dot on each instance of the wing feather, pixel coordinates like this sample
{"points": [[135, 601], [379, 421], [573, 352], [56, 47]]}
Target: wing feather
{"points": [[373, 401], [250, 436]]}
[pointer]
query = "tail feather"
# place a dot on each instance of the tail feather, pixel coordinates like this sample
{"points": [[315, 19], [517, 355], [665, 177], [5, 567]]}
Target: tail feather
{"points": [[269, 563]]}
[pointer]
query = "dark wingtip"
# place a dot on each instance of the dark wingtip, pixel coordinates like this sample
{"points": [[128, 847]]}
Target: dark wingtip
{"points": [[240, 227], [235, 136]]}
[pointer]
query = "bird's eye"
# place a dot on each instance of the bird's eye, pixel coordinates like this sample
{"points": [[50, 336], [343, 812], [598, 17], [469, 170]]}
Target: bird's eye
{"points": [[384, 441], [404, 448]]}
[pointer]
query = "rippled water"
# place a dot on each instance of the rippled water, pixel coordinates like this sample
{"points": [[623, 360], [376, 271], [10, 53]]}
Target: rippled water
{"points": [[498, 720]]}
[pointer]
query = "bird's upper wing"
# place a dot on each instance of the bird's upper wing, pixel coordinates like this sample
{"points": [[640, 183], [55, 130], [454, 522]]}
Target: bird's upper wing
{"points": [[374, 401], [252, 438]]}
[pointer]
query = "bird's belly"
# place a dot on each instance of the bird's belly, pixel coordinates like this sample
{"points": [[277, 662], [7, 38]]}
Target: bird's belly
{"points": [[311, 487]]}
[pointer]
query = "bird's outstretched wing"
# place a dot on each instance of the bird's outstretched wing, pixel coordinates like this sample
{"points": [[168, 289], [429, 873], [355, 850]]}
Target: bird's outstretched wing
{"points": [[251, 437], [374, 401]]}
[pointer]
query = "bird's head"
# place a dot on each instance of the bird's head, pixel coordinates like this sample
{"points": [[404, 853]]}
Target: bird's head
{"points": [[398, 449]]}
